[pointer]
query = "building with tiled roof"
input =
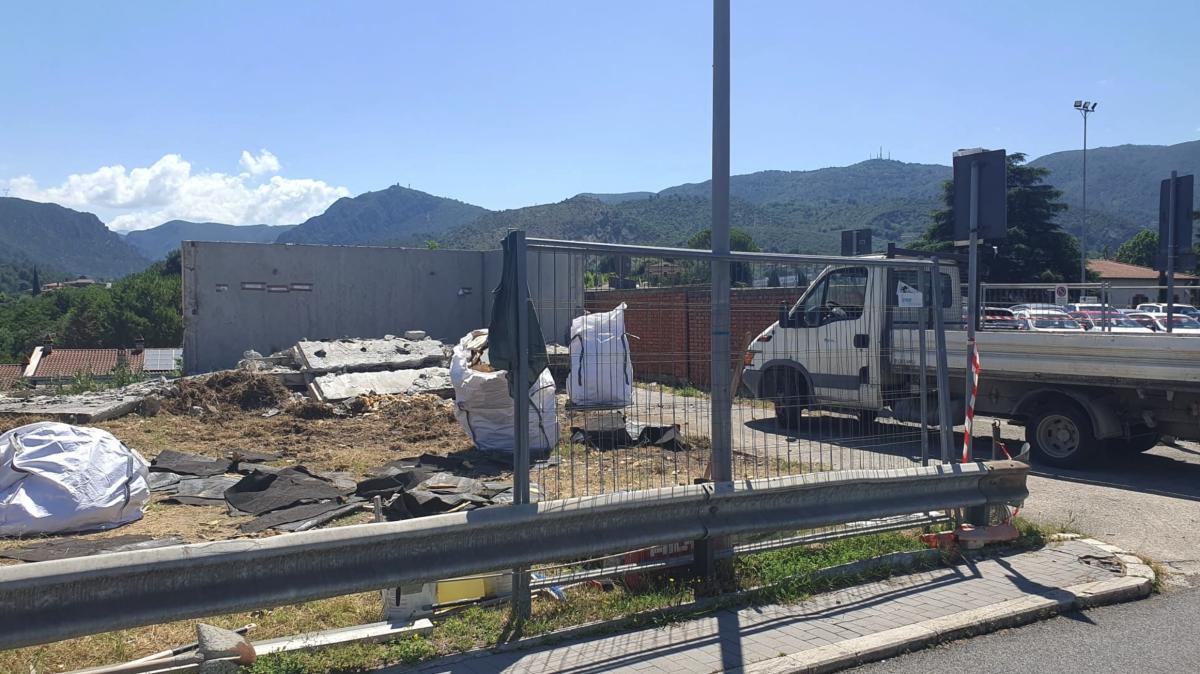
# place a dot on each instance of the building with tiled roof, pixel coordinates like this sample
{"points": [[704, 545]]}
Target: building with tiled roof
{"points": [[1131, 285], [49, 364], [1111, 270], [10, 376], [56, 363]]}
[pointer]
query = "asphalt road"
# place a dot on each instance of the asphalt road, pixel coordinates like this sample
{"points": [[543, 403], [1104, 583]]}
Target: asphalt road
{"points": [[1152, 635], [1148, 504]]}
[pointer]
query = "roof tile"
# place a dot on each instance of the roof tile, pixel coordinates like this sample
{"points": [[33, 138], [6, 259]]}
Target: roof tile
{"points": [[68, 362]]}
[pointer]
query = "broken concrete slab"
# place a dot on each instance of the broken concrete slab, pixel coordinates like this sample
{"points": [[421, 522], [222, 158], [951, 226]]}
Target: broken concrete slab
{"points": [[85, 408], [342, 386], [370, 355]]}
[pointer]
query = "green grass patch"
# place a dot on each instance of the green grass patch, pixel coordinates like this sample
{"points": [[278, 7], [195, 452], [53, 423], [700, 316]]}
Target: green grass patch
{"points": [[1037, 534], [785, 575]]}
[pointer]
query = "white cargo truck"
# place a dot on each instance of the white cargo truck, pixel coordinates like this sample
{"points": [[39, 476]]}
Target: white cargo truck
{"points": [[851, 344]]}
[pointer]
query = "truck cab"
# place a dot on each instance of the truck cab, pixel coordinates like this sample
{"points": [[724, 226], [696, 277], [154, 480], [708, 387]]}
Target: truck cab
{"points": [[831, 348]]}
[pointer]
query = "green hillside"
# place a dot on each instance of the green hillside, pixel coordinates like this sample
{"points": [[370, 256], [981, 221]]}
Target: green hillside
{"points": [[1122, 187], [157, 242], [393, 215], [54, 237]]}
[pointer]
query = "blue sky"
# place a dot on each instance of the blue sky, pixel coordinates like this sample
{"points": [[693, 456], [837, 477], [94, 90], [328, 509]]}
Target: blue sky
{"points": [[505, 104]]}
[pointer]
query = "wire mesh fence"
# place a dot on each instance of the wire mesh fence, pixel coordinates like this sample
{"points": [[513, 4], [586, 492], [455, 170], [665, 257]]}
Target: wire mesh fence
{"points": [[834, 365], [1100, 307], [831, 369]]}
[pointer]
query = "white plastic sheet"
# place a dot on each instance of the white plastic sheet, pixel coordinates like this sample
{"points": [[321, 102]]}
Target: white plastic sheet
{"points": [[485, 409], [601, 370], [57, 478]]}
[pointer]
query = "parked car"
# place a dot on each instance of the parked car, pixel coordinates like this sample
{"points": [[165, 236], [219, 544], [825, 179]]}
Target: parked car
{"points": [[1051, 321], [999, 318], [1074, 308], [1023, 308], [1157, 308], [1110, 322], [1180, 324]]}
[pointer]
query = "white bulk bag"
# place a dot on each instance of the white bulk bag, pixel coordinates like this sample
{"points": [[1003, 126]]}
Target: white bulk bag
{"points": [[485, 409], [601, 371], [57, 478]]}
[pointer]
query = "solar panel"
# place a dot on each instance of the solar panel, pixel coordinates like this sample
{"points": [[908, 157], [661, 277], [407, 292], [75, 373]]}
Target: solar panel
{"points": [[161, 360]]}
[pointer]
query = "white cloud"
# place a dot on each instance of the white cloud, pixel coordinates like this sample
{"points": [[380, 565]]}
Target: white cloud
{"points": [[168, 190], [265, 162]]}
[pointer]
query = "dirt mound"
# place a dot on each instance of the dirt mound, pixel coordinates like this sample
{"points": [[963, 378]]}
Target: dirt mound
{"points": [[236, 389], [310, 409], [421, 418]]}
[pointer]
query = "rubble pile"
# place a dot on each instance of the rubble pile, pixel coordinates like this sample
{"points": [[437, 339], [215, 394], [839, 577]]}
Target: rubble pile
{"points": [[336, 370]]}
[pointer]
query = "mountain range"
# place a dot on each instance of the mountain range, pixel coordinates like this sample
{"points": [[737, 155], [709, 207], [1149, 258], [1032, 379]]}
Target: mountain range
{"points": [[789, 211], [156, 242], [62, 241]]}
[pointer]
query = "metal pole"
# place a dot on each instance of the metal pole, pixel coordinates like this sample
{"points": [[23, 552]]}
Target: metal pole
{"points": [[722, 457], [945, 423], [520, 314], [706, 550], [1083, 213], [972, 301], [1171, 254], [923, 325]]}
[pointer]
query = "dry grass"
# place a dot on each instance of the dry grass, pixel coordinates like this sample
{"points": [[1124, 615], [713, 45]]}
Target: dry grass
{"points": [[124, 645], [409, 428], [386, 429]]}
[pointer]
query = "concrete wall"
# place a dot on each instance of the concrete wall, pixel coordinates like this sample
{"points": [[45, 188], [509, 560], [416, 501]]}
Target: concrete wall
{"points": [[266, 297]]}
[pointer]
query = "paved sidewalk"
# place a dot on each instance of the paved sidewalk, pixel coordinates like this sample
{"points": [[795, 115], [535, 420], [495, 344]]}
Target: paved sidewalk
{"points": [[848, 626]]}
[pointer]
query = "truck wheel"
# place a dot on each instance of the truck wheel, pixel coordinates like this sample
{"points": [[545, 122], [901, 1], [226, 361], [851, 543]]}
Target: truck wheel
{"points": [[1061, 435], [1142, 439], [788, 399]]}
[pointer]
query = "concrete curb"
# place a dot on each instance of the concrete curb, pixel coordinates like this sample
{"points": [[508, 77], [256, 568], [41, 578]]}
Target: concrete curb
{"points": [[1136, 583]]}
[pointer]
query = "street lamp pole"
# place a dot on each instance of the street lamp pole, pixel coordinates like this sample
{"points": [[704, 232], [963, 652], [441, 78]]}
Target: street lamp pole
{"points": [[1084, 108]]}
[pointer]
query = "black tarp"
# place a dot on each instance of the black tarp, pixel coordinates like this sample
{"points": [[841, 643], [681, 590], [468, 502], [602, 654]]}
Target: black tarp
{"points": [[181, 463], [65, 548], [261, 492], [502, 348], [299, 515]]}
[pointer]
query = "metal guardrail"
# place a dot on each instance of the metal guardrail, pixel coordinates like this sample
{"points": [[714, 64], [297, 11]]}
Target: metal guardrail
{"points": [[49, 601]]}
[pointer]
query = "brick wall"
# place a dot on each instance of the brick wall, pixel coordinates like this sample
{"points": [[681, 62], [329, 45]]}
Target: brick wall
{"points": [[669, 327]]}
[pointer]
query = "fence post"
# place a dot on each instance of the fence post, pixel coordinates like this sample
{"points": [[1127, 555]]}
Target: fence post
{"points": [[721, 363], [945, 422], [520, 316], [926, 300]]}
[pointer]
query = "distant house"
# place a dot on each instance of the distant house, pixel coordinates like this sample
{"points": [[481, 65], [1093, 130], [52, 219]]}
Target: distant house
{"points": [[10, 376], [1132, 285], [80, 282], [49, 364]]}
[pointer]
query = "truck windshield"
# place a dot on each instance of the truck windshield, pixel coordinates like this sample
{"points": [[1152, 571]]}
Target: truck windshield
{"points": [[838, 296]]}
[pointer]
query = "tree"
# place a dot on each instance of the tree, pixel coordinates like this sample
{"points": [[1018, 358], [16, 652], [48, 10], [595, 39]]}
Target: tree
{"points": [[1140, 250], [773, 278], [740, 273], [173, 265], [1035, 249], [432, 244], [35, 285]]}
